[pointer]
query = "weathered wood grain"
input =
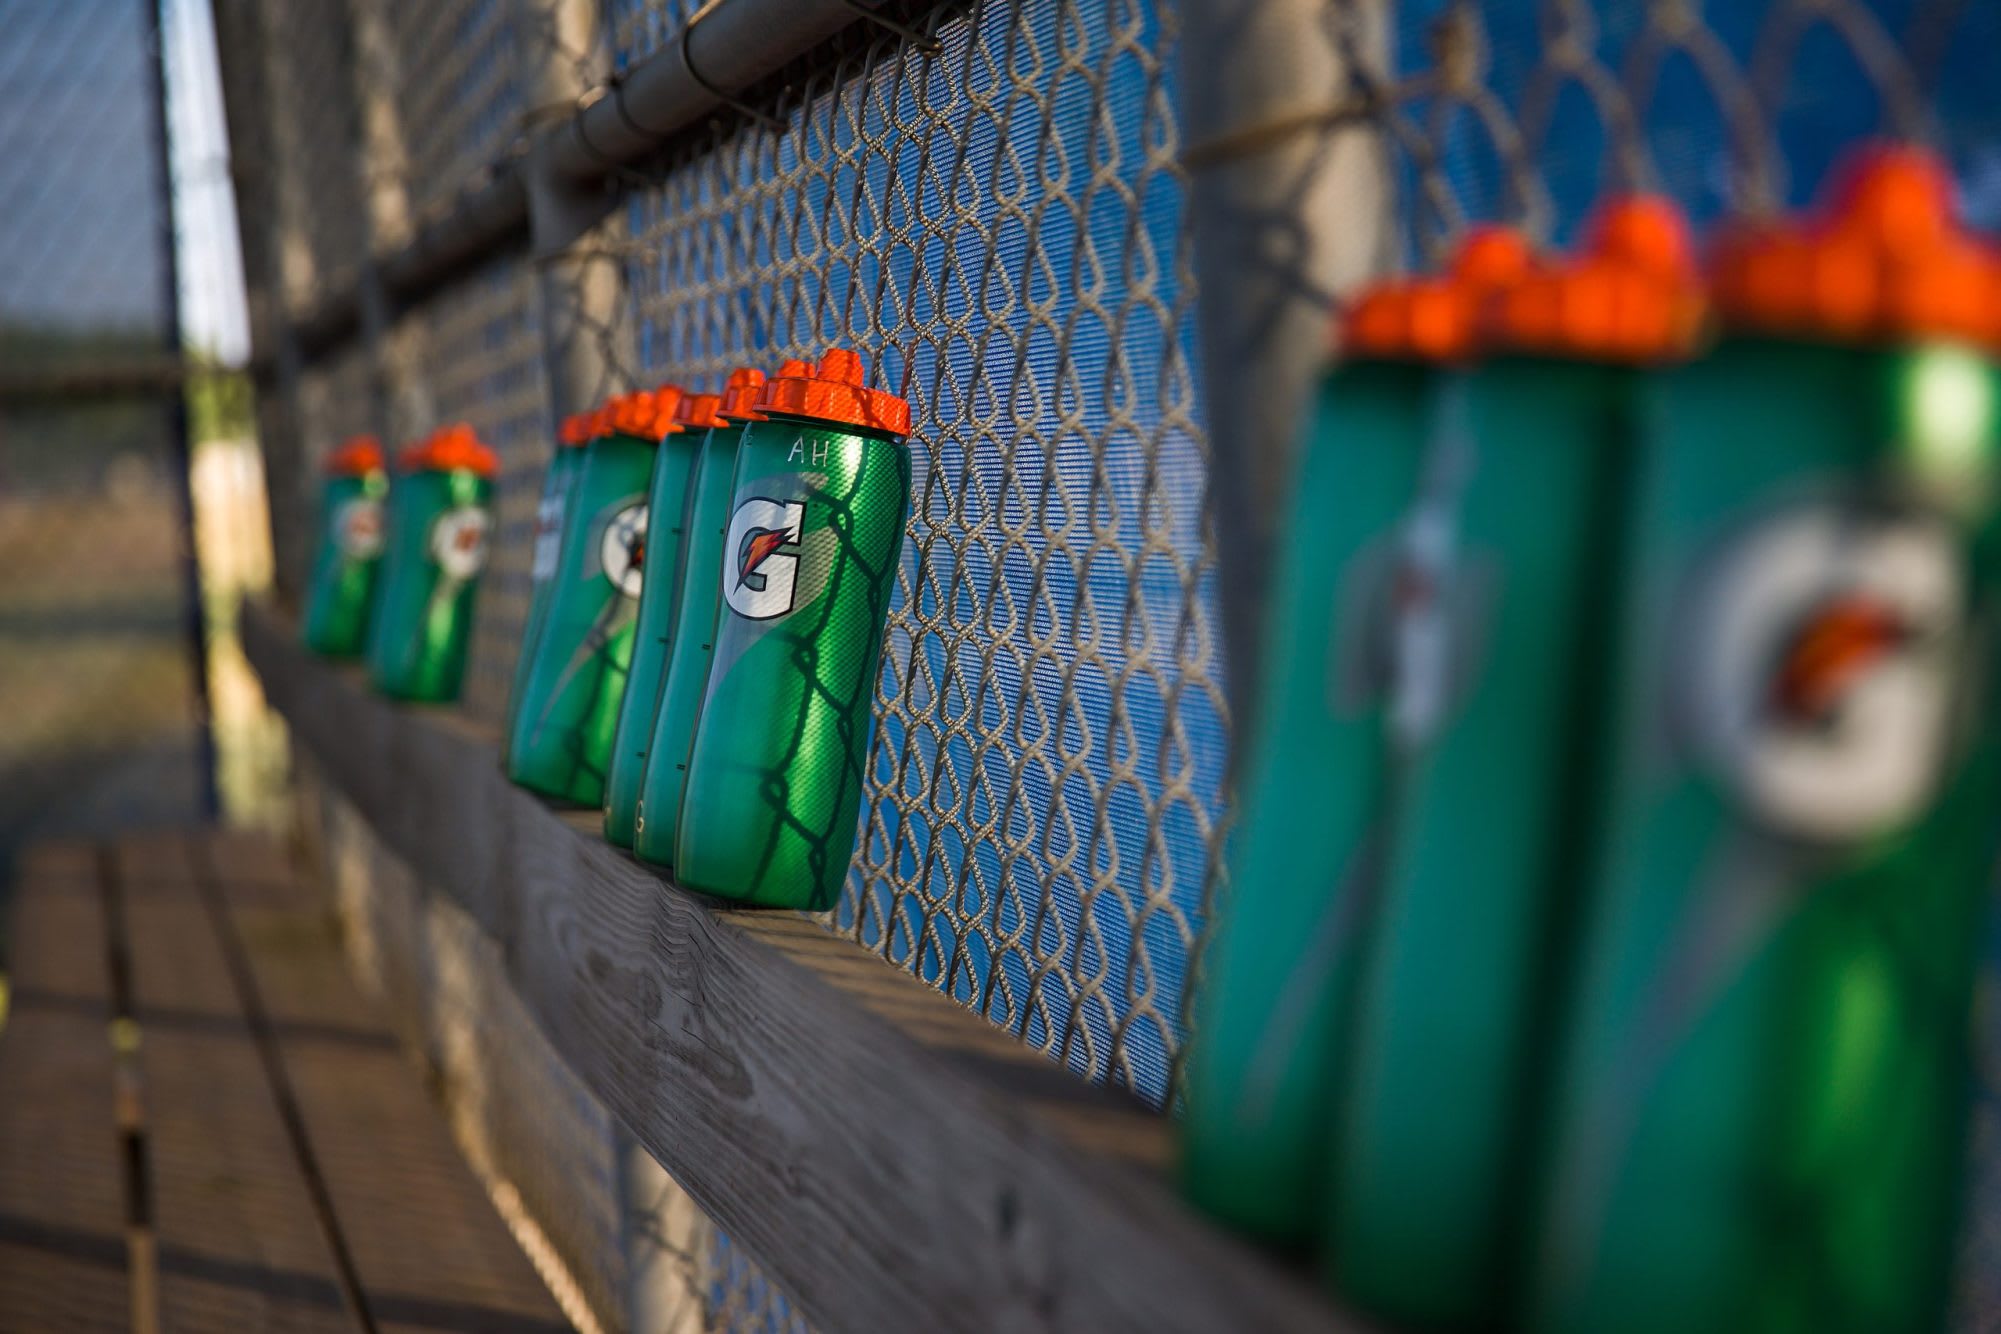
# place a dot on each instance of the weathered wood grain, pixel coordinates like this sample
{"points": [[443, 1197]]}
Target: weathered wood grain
{"points": [[893, 1160], [63, 1253], [427, 1249], [240, 1244]]}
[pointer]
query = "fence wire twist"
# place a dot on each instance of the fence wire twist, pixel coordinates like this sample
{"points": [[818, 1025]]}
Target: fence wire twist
{"points": [[999, 224]]}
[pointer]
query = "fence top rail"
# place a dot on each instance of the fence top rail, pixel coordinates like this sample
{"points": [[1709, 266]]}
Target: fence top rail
{"points": [[548, 190]]}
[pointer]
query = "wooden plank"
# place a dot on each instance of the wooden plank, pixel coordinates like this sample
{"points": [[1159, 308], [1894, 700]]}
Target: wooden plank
{"points": [[427, 1247], [239, 1242], [63, 1254], [892, 1159], [152, 862], [55, 934]]}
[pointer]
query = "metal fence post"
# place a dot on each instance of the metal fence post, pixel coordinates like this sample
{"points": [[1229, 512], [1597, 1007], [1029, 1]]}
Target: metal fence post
{"points": [[194, 614], [382, 166], [240, 39], [1289, 206], [379, 164]]}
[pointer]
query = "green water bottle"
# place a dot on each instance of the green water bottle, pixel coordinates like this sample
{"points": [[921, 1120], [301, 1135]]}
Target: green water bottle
{"points": [[1316, 807], [440, 511], [561, 743], [341, 590], [774, 788], [1501, 661], [1495, 717], [1759, 1124], [575, 432], [685, 678], [665, 595], [659, 589]]}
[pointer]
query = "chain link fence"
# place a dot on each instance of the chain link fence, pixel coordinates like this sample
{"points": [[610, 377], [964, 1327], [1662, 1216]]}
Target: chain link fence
{"points": [[997, 208], [97, 614], [996, 226]]}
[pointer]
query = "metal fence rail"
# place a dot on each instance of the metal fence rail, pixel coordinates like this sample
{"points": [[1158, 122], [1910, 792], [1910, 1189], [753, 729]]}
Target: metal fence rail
{"points": [[1006, 207]]}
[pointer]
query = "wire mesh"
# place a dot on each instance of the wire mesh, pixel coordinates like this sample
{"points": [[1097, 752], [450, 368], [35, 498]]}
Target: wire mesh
{"points": [[96, 614], [1000, 225], [1530, 114], [475, 355], [322, 226]]}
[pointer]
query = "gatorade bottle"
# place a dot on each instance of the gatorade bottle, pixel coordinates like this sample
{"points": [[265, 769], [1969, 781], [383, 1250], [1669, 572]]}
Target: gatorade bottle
{"points": [[774, 786], [576, 432], [439, 516], [1496, 716], [561, 743], [341, 591], [1317, 807], [685, 677], [661, 603], [659, 590], [1760, 1122]]}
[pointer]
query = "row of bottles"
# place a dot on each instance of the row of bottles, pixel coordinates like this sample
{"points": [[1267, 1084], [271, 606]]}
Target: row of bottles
{"points": [[709, 588], [1615, 840], [398, 564], [1614, 846]]}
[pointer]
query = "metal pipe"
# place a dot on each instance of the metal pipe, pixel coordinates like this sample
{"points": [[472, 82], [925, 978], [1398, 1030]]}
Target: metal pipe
{"points": [[195, 612], [565, 179], [729, 46], [1288, 213]]}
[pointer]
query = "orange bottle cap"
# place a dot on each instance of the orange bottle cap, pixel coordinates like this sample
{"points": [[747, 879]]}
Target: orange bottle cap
{"points": [[740, 394], [1883, 257], [835, 391], [645, 414], [448, 449], [1631, 294], [576, 430], [698, 411], [1435, 318], [357, 457]]}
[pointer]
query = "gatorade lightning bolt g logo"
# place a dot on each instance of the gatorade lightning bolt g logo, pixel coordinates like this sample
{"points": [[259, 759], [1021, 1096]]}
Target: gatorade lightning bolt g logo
{"points": [[1821, 691], [622, 549], [761, 579], [358, 529], [458, 542]]}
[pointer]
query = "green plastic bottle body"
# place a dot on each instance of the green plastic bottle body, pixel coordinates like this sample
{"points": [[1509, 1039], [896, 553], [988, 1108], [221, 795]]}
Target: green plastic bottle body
{"points": [[437, 534], [653, 629], [1454, 1003], [340, 593], [685, 676], [550, 512], [561, 743], [1316, 809], [1759, 1123], [774, 788]]}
